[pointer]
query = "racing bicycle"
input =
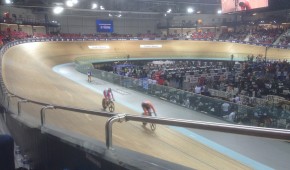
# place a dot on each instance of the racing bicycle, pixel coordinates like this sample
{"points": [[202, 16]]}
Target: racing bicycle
{"points": [[108, 104], [152, 125]]}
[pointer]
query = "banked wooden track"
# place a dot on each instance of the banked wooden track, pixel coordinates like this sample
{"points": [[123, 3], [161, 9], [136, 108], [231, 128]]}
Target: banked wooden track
{"points": [[27, 72]]}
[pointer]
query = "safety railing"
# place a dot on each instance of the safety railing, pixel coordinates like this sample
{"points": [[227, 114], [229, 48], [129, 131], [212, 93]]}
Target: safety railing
{"points": [[118, 117]]}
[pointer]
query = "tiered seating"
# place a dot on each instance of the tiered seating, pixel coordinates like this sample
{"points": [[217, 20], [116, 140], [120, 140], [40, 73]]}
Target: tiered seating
{"points": [[284, 41], [265, 36], [233, 36], [18, 35], [41, 35]]}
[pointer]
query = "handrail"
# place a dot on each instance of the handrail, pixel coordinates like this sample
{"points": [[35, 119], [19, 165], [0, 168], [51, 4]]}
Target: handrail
{"points": [[120, 118], [8, 100], [220, 127], [42, 113], [19, 105], [229, 128], [85, 111]]}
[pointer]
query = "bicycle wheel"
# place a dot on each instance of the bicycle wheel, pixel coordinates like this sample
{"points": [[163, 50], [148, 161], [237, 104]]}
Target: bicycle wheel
{"points": [[153, 126], [104, 104], [111, 106]]}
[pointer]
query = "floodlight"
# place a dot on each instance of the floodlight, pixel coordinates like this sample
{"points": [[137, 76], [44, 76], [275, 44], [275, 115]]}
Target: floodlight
{"points": [[219, 11], [57, 9], [190, 10], [69, 3], [94, 6], [8, 1]]}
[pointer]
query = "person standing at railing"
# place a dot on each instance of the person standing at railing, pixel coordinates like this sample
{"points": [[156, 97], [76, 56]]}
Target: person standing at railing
{"points": [[225, 108], [89, 73]]}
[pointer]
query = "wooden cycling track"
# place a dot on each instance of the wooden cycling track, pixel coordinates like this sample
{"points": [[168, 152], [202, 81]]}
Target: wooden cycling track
{"points": [[27, 72]]}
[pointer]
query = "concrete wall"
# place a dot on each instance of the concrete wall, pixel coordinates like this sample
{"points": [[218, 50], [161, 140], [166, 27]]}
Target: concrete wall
{"points": [[39, 29], [22, 14], [87, 24], [26, 28], [74, 22], [207, 19]]}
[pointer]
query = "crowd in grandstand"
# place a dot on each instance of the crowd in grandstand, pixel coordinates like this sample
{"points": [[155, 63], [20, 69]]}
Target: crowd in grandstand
{"points": [[255, 78], [266, 36]]}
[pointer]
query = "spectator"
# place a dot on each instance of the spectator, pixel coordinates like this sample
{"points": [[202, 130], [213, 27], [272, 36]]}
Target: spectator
{"points": [[225, 108], [231, 117], [197, 89]]}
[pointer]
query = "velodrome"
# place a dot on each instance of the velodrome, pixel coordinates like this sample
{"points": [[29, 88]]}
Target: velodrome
{"points": [[27, 72]]}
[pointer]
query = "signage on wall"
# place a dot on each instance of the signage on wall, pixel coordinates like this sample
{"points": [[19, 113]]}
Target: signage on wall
{"points": [[105, 26], [99, 47], [151, 46]]}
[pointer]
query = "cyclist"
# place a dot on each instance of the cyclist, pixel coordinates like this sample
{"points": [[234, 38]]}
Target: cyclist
{"points": [[245, 5], [148, 108], [108, 94]]}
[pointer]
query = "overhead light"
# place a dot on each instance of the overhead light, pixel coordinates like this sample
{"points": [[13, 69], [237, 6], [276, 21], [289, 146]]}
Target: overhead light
{"points": [[57, 10], [101, 7], [198, 12], [69, 3], [8, 1], [168, 11], [254, 14], [190, 10], [94, 6], [110, 15], [119, 15], [219, 11], [74, 1], [165, 14]]}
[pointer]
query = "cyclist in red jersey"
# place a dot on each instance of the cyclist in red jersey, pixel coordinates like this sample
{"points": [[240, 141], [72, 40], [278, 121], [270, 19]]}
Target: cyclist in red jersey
{"points": [[148, 108], [245, 5]]}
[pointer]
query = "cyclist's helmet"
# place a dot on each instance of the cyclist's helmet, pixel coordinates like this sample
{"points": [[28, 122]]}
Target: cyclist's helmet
{"points": [[241, 4]]}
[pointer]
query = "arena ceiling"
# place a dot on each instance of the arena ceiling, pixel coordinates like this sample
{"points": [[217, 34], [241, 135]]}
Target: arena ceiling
{"points": [[141, 6], [153, 6]]}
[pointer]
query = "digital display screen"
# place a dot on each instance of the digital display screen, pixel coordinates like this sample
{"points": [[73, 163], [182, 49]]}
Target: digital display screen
{"points": [[242, 5], [105, 26]]}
